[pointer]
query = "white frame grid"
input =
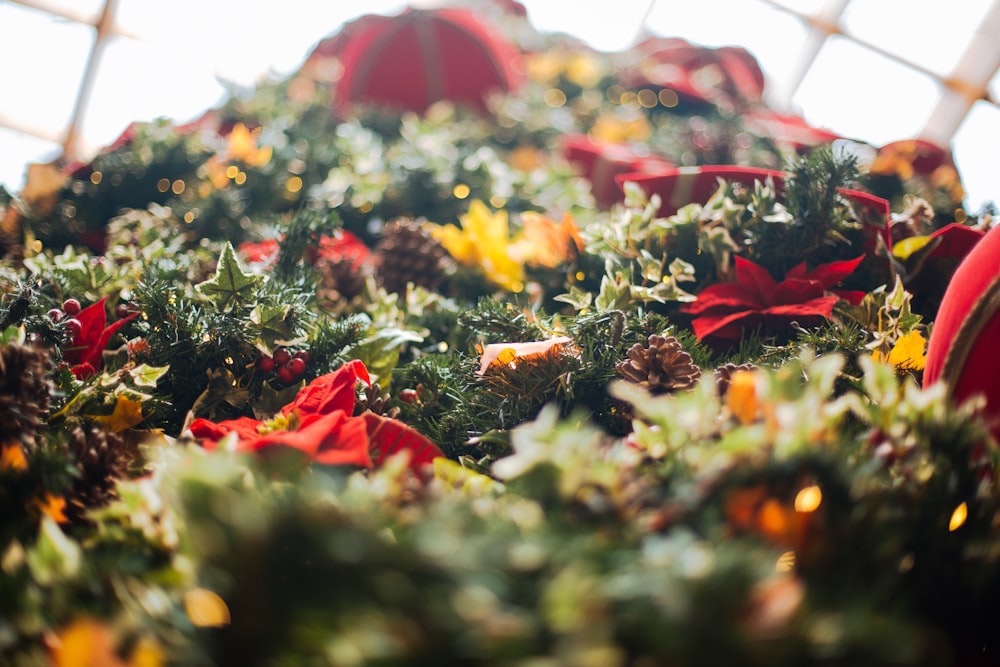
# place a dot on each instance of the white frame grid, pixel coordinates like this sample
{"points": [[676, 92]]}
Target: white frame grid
{"points": [[966, 85]]}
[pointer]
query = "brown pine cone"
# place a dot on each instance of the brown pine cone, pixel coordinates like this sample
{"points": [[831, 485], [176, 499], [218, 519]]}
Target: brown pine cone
{"points": [[723, 374], [25, 392], [341, 279], [661, 367], [407, 253], [101, 458], [376, 400]]}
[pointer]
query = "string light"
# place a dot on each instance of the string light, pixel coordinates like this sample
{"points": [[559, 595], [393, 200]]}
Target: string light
{"points": [[958, 517], [163, 184], [96, 178], [808, 499], [647, 98], [293, 184], [461, 191], [177, 187], [668, 98], [240, 178], [232, 171], [554, 98]]}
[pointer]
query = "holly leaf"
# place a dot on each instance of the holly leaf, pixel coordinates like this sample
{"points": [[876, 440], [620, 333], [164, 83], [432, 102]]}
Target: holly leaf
{"points": [[230, 285]]}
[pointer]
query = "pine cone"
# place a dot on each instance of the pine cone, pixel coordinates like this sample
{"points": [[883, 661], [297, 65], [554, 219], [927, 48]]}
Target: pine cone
{"points": [[341, 279], [661, 367], [101, 458], [25, 392], [723, 374], [376, 400], [407, 253]]}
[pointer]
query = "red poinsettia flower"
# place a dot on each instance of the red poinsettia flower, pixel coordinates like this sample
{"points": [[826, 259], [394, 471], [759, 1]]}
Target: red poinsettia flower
{"points": [[84, 353], [724, 311], [320, 423]]}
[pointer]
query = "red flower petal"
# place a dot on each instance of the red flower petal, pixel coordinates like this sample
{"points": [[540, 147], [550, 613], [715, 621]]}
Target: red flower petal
{"points": [[726, 326], [818, 307], [211, 432], [829, 274], [754, 277], [330, 439], [728, 295], [389, 436], [796, 291], [331, 392], [94, 335]]}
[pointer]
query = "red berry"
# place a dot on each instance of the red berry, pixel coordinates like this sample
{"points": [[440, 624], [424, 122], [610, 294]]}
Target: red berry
{"points": [[285, 375], [265, 365], [296, 366], [71, 307], [73, 327], [282, 356], [409, 396], [55, 314], [122, 310], [303, 355]]}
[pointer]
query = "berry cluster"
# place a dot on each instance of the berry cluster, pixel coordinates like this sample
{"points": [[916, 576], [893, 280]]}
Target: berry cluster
{"points": [[288, 367], [66, 315]]}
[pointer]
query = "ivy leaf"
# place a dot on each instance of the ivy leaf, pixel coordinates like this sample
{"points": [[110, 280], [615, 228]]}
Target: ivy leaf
{"points": [[273, 319], [147, 376], [230, 285], [12, 334]]}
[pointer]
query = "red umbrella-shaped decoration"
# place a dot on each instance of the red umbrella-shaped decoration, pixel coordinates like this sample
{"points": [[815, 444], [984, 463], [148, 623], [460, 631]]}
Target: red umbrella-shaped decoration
{"points": [[601, 162], [418, 57]]}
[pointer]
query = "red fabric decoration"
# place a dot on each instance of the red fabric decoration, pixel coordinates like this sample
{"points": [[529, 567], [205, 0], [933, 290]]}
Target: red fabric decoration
{"points": [[788, 129], [963, 349], [725, 310], [419, 57], [602, 162]]}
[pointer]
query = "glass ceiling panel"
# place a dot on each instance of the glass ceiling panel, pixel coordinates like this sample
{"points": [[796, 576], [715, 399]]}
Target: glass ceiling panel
{"points": [[859, 93], [45, 57], [930, 33]]}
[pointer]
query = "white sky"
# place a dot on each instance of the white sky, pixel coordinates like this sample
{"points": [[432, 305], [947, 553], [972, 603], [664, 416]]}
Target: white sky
{"points": [[187, 44]]}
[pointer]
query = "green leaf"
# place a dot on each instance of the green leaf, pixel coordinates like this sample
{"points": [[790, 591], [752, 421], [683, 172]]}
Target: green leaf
{"points": [[230, 285], [12, 334], [273, 319], [147, 376]]}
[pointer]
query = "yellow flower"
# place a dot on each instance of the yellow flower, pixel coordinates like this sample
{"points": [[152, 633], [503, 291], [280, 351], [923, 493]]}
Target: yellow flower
{"points": [[483, 241], [127, 413], [908, 353], [243, 147], [545, 242], [12, 457]]}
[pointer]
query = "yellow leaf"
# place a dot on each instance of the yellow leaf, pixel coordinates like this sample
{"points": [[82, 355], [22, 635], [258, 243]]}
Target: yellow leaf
{"points": [[42, 186], [205, 608], [906, 247], [545, 242], [53, 506], [484, 242], [147, 653], [741, 396], [243, 147], [908, 352], [127, 414], [85, 642], [12, 457]]}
